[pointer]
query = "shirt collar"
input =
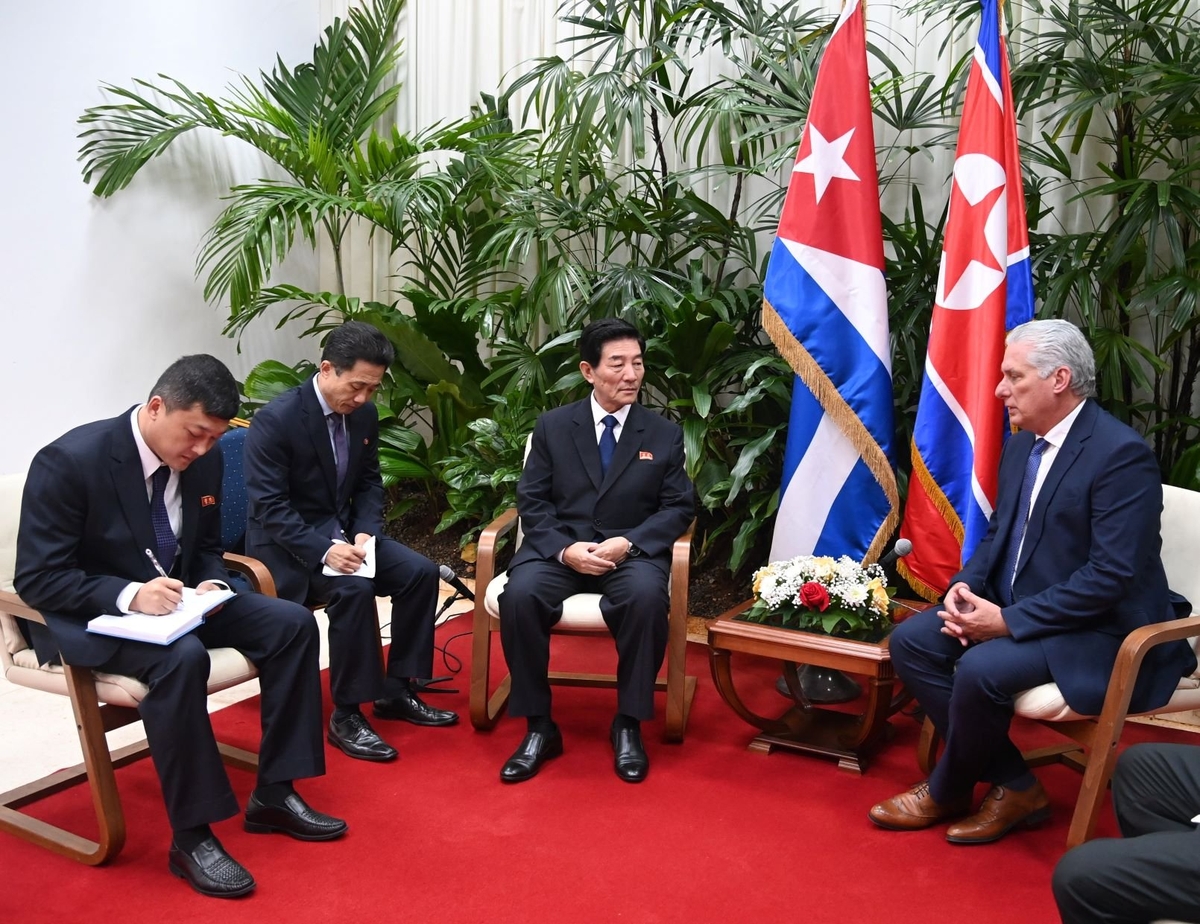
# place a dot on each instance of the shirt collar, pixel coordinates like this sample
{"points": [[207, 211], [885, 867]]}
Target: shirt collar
{"points": [[150, 462], [598, 413], [326, 410], [1057, 435]]}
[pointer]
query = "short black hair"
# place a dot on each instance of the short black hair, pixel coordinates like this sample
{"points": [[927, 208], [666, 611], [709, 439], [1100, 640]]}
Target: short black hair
{"points": [[199, 379], [598, 333], [357, 341]]}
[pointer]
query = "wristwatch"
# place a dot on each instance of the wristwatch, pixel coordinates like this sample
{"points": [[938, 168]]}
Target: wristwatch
{"points": [[633, 551]]}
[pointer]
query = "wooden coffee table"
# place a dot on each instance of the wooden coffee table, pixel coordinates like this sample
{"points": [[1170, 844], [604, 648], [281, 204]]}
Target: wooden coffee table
{"points": [[849, 737]]}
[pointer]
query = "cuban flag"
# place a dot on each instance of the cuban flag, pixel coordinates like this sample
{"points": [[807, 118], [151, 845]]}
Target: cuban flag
{"points": [[825, 307], [985, 288]]}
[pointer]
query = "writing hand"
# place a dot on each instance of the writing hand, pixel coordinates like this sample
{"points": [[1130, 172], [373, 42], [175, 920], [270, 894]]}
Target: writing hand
{"points": [[344, 557], [581, 557], [158, 597]]}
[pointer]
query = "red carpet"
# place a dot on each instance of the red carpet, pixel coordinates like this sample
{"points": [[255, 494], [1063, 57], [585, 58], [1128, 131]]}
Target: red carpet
{"points": [[716, 833]]}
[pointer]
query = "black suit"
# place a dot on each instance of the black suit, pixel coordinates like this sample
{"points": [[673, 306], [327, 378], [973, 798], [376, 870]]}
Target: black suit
{"points": [[85, 525], [1089, 573], [1150, 872], [646, 497], [297, 507]]}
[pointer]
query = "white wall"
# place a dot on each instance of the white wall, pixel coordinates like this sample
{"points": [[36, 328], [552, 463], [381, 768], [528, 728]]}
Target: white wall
{"points": [[100, 295]]}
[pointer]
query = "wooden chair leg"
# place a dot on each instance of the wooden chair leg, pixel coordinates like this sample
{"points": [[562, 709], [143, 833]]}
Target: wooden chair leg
{"points": [[680, 687], [97, 767], [485, 706], [927, 747]]}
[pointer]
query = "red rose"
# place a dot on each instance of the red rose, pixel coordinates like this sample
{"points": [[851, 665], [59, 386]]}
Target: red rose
{"points": [[814, 596]]}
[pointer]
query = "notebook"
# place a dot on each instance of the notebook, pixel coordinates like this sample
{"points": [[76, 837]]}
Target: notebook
{"points": [[162, 630]]}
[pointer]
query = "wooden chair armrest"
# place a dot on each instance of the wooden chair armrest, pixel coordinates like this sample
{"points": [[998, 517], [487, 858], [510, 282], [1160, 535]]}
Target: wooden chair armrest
{"points": [[1129, 661], [254, 571], [681, 564], [485, 557], [13, 605]]}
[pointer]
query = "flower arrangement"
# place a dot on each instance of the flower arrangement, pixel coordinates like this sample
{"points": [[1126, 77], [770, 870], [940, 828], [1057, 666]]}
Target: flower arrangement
{"points": [[822, 594]]}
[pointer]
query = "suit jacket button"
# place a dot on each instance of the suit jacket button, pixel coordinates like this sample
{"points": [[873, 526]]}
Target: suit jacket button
{"points": [[595, 522]]}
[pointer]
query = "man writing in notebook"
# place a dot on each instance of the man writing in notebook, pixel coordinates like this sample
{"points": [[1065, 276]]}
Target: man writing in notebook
{"points": [[101, 504], [316, 507]]}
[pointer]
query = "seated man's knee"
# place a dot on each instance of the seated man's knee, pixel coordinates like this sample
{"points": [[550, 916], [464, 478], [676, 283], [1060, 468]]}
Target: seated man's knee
{"points": [[1073, 876]]}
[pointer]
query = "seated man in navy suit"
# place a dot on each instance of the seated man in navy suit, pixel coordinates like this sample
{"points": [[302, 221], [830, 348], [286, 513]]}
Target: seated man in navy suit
{"points": [[602, 499], [316, 499], [1069, 566], [107, 508]]}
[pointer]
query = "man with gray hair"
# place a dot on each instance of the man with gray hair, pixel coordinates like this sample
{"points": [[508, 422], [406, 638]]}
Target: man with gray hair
{"points": [[1069, 566]]}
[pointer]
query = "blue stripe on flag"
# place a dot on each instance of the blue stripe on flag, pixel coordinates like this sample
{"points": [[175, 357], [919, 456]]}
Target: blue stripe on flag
{"points": [[832, 341], [860, 505], [944, 445], [1019, 307], [806, 414]]}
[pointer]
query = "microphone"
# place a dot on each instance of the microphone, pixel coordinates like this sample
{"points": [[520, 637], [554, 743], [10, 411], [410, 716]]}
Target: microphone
{"points": [[899, 550], [461, 589]]}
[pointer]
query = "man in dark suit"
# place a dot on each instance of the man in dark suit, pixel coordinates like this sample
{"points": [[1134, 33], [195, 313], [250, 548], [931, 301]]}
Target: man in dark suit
{"points": [[603, 497], [98, 502], [1069, 566], [315, 502], [1149, 873]]}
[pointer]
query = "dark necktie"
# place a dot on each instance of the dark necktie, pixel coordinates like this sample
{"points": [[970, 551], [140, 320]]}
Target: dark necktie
{"points": [[1017, 534], [164, 536], [608, 443], [341, 446]]}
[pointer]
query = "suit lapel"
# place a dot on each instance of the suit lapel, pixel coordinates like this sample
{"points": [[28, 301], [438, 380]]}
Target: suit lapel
{"points": [[130, 488], [1074, 444], [585, 441], [313, 421], [629, 443]]}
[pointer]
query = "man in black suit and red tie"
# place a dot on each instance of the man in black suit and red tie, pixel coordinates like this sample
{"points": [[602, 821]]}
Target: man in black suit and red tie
{"points": [[1069, 566], [98, 501], [315, 501], [602, 499]]}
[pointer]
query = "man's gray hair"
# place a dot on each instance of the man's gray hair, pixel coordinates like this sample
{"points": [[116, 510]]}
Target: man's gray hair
{"points": [[1058, 343]]}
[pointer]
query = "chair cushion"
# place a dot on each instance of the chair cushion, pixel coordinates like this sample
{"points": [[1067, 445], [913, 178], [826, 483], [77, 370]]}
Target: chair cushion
{"points": [[11, 488], [580, 612], [229, 667], [1046, 702]]}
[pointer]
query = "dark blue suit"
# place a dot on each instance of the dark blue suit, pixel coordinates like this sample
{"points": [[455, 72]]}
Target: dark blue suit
{"points": [[295, 509], [85, 525], [1088, 575], [646, 497]]}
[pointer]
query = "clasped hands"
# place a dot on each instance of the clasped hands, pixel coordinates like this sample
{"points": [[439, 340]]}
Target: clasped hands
{"points": [[347, 558], [163, 595], [596, 557], [969, 617]]}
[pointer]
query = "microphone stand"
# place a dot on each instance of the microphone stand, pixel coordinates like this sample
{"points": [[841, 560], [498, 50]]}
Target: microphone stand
{"points": [[427, 686]]}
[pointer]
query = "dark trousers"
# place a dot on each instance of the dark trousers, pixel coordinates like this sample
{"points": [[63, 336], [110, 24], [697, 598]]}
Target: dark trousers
{"points": [[281, 639], [968, 694], [634, 604], [356, 674], [1153, 871]]}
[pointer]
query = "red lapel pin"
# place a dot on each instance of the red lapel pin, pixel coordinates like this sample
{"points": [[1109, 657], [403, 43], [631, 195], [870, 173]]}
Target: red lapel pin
{"points": [[208, 501]]}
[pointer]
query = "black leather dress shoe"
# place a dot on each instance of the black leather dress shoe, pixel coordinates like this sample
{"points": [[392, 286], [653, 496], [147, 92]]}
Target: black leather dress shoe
{"points": [[210, 870], [357, 738], [294, 817], [629, 760], [535, 749], [408, 707]]}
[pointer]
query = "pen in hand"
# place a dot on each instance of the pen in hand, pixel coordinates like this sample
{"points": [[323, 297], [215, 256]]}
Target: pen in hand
{"points": [[157, 567]]}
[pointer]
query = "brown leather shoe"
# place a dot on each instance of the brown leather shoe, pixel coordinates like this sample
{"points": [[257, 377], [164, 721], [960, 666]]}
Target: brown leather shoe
{"points": [[1001, 811], [916, 809]]}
